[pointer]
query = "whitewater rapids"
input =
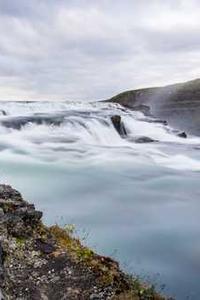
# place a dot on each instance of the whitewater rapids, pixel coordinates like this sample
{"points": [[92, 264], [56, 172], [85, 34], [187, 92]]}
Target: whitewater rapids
{"points": [[141, 199], [71, 132]]}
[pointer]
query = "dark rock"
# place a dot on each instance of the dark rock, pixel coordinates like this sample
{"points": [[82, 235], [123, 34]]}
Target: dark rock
{"points": [[179, 104], [119, 126], [3, 112], [144, 139], [43, 246], [7, 193], [1, 262], [182, 135], [16, 226]]}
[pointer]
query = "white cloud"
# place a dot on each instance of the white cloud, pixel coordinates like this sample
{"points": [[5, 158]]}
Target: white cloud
{"points": [[94, 49]]}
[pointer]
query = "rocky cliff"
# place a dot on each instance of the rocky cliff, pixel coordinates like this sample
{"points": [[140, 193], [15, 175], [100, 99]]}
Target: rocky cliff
{"points": [[48, 263], [179, 104]]}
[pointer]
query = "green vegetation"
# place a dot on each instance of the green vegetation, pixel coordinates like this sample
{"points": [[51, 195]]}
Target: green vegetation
{"points": [[106, 268]]}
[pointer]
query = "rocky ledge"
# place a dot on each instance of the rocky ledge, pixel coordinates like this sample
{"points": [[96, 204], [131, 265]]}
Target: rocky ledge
{"points": [[178, 104], [39, 262]]}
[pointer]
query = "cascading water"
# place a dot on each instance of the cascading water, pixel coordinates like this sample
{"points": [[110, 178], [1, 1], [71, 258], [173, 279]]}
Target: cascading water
{"points": [[45, 130], [139, 198]]}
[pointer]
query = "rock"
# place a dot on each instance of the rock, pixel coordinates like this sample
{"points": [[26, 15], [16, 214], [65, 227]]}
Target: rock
{"points": [[1, 262], [144, 139], [1, 295], [43, 246], [3, 113], [182, 135], [39, 262], [119, 126], [179, 104], [38, 265], [16, 215]]}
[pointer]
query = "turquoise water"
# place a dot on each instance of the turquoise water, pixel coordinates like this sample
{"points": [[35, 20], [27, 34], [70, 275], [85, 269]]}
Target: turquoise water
{"points": [[136, 203]]}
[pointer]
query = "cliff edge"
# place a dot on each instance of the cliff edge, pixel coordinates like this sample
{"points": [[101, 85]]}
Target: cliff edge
{"points": [[179, 104], [48, 263]]}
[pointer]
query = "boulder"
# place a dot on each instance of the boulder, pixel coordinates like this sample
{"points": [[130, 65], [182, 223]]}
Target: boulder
{"points": [[118, 125], [182, 135], [3, 112], [144, 139]]}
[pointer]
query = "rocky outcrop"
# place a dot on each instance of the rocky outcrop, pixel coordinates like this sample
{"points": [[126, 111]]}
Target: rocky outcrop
{"points": [[182, 135], [41, 263], [144, 139], [179, 104], [118, 125]]}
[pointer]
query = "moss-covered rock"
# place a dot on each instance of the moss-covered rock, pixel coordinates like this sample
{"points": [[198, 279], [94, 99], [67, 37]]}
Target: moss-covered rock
{"points": [[39, 262]]}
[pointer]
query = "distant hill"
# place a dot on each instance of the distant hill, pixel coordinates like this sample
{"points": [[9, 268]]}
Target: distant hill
{"points": [[179, 103]]}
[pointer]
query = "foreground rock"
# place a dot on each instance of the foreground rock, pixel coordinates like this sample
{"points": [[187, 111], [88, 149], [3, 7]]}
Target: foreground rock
{"points": [[179, 104], [37, 262]]}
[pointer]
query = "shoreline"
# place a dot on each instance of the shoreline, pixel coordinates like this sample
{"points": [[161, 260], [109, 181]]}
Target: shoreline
{"points": [[40, 262]]}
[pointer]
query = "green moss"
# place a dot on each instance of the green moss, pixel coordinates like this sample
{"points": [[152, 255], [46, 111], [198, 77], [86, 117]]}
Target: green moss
{"points": [[20, 241], [107, 270], [139, 291]]}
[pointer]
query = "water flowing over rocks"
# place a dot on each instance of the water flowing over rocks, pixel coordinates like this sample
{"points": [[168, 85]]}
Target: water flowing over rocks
{"points": [[145, 109], [182, 134], [119, 126], [144, 139], [179, 104], [37, 262]]}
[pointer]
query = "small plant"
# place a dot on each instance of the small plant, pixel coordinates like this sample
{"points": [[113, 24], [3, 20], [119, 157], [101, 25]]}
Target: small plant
{"points": [[70, 229], [20, 241]]}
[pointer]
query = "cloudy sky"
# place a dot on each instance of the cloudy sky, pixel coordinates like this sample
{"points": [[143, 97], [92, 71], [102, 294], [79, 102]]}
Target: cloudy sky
{"points": [[93, 49]]}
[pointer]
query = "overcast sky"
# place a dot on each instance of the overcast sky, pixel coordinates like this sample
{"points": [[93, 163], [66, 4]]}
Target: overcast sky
{"points": [[93, 49]]}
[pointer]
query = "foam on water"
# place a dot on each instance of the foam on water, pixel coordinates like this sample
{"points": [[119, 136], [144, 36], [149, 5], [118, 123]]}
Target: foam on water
{"points": [[86, 133]]}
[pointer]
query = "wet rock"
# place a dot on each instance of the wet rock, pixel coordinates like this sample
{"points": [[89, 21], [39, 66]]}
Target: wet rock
{"points": [[182, 135], [3, 113], [144, 139], [1, 262], [119, 126]]}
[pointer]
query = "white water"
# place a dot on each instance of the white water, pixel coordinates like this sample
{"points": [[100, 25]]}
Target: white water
{"points": [[87, 134], [140, 199]]}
